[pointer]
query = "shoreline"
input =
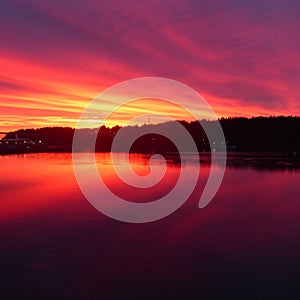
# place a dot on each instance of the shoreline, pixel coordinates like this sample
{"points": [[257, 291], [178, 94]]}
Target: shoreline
{"points": [[255, 160]]}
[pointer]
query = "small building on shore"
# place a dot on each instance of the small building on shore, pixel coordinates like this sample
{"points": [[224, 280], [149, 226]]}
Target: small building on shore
{"points": [[20, 145]]}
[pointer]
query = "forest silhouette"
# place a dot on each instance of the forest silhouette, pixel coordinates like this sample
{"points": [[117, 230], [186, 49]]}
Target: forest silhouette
{"points": [[265, 134]]}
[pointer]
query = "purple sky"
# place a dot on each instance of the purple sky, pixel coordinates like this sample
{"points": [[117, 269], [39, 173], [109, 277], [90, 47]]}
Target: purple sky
{"points": [[55, 56]]}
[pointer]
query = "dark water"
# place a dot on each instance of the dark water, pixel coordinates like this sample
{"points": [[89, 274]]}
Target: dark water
{"points": [[54, 245]]}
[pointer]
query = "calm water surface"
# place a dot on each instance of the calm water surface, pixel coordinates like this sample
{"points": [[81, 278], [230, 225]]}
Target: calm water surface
{"points": [[54, 245]]}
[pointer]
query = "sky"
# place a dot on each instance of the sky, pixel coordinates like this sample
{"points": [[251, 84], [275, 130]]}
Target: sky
{"points": [[57, 55]]}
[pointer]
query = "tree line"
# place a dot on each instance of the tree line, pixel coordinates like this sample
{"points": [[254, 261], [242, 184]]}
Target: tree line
{"points": [[241, 134]]}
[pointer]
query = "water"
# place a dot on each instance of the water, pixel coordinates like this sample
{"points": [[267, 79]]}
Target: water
{"points": [[54, 245]]}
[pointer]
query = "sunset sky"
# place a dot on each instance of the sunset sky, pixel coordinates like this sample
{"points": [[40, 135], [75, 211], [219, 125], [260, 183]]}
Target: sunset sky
{"points": [[57, 55]]}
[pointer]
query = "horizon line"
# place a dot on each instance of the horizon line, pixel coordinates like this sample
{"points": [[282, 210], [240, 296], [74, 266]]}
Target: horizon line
{"points": [[146, 124]]}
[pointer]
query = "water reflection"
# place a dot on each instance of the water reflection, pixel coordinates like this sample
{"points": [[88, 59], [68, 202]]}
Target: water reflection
{"points": [[54, 244]]}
